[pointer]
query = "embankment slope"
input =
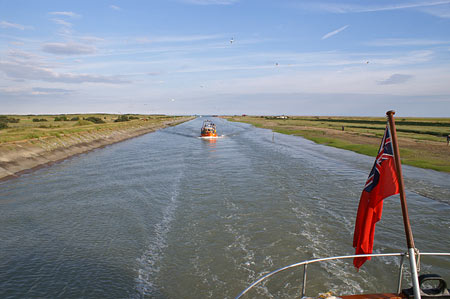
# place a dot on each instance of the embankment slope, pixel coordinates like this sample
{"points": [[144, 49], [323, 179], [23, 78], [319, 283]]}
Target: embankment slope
{"points": [[22, 156]]}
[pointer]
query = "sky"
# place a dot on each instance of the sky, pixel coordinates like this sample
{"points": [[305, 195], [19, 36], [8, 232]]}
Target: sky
{"points": [[256, 57]]}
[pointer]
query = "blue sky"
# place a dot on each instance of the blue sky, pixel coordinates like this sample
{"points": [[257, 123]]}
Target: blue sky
{"points": [[318, 57]]}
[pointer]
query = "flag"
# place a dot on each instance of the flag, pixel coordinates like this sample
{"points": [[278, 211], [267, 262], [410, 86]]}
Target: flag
{"points": [[382, 183]]}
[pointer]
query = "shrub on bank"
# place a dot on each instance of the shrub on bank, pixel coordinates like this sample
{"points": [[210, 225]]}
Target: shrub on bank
{"points": [[5, 119], [83, 122], [121, 118], [61, 118], [95, 120]]}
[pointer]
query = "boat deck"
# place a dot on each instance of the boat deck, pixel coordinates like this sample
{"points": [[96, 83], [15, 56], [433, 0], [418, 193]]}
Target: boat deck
{"points": [[375, 296]]}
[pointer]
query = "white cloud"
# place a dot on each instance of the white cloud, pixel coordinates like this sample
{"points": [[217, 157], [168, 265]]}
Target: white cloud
{"points": [[5, 24], [65, 13], [395, 42], [177, 39], [409, 58], [441, 11], [435, 7], [68, 48], [13, 90], [330, 34], [17, 43], [62, 22], [50, 91], [27, 91], [90, 39], [396, 79], [115, 7], [433, 81], [25, 71], [15, 53]]}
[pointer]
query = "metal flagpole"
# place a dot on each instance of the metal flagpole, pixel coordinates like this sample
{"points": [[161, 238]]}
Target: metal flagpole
{"points": [[406, 223]]}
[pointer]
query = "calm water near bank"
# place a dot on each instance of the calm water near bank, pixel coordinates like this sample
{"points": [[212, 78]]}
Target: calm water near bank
{"points": [[170, 215]]}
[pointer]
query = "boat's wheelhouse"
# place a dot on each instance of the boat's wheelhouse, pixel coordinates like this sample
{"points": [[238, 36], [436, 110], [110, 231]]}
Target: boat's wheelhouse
{"points": [[208, 129]]}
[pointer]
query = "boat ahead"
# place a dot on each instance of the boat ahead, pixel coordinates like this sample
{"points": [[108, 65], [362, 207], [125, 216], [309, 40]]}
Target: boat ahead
{"points": [[208, 129]]}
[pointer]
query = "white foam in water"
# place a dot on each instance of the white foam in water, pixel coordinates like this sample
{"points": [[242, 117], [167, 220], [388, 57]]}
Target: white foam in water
{"points": [[211, 137], [149, 261]]}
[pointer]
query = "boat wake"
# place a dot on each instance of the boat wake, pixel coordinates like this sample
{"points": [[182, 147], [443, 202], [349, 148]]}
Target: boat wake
{"points": [[150, 261]]}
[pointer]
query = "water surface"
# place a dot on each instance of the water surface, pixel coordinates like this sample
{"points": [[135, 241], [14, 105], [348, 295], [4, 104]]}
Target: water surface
{"points": [[170, 215]]}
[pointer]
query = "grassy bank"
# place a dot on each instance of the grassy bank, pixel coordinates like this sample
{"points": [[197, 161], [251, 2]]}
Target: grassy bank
{"points": [[28, 127], [422, 141], [29, 142]]}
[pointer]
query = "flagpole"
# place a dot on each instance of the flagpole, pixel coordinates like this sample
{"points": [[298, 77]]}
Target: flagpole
{"points": [[406, 223]]}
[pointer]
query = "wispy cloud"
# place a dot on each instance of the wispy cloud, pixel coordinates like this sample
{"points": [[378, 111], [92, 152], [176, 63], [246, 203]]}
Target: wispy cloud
{"points": [[62, 22], [396, 79], [90, 39], [65, 13], [210, 2], [115, 7], [15, 54], [24, 71], [5, 24], [26, 91], [17, 43], [441, 11], [330, 34], [177, 39], [68, 48], [50, 91], [430, 6], [23, 66], [398, 42], [398, 59]]}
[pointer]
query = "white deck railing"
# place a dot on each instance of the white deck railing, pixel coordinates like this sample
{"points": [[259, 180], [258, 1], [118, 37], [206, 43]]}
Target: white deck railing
{"points": [[306, 263]]}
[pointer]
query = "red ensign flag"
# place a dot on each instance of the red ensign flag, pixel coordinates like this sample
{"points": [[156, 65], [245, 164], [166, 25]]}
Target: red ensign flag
{"points": [[382, 183]]}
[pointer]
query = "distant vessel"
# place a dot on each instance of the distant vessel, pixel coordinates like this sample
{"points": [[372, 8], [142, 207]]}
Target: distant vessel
{"points": [[208, 129]]}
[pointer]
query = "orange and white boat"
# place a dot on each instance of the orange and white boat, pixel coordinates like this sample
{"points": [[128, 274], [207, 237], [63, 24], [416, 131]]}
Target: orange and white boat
{"points": [[209, 129]]}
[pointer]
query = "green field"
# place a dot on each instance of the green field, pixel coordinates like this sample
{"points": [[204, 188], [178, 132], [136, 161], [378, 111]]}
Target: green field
{"points": [[38, 126], [422, 141]]}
